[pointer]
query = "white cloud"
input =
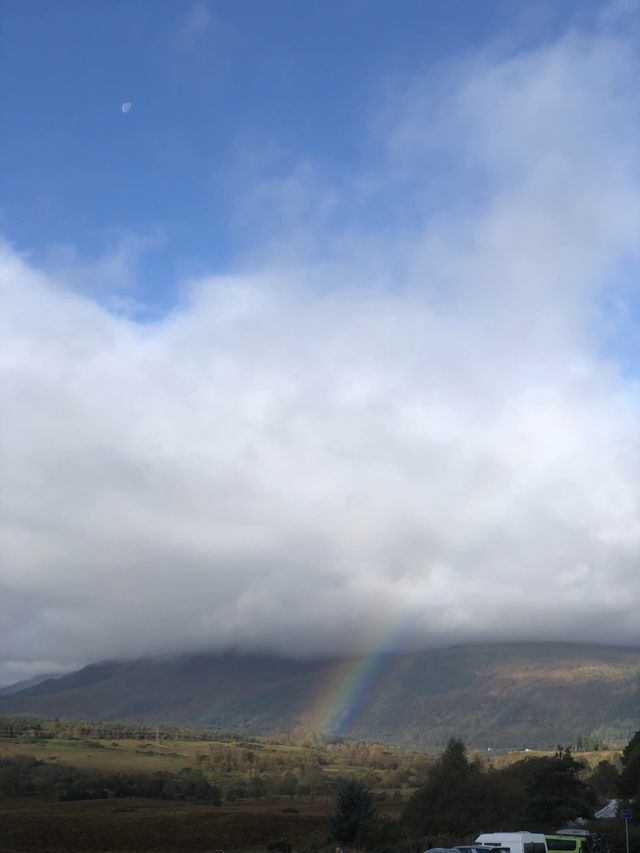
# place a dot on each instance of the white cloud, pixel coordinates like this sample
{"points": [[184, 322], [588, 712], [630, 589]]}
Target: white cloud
{"points": [[421, 428]]}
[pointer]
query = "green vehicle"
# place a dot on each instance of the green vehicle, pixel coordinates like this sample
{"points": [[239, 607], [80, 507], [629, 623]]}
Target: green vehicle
{"points": [[575, 841], [566, 843]]}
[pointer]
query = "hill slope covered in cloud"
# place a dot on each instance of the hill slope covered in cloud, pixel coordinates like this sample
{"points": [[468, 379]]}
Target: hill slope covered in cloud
{"points": [[510, 695]]}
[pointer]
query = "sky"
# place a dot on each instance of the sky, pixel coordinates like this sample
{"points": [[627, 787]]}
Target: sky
{"points": [[328, 343]]}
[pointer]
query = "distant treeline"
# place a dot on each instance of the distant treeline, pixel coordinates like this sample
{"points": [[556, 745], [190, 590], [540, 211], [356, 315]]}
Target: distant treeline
{"points": [[26, 726]]}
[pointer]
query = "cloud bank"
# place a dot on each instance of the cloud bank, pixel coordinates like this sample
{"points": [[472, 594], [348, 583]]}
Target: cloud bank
{"points": [[425, 429]]}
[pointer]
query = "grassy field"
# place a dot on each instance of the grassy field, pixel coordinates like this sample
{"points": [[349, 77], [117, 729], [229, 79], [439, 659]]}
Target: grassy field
{"points": [[32, 823], [109, 756], [149, 756], [29, 824]]}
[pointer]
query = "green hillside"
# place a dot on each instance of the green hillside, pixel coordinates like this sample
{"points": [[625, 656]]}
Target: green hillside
{"points": [[531, 695]]}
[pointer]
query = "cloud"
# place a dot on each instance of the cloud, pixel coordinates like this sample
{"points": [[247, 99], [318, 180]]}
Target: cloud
{"points": [[110, 277], [196, 25], [420, 426]]}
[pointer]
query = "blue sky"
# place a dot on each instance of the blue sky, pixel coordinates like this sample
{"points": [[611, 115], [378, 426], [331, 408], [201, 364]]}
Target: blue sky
{"points": [[225, 95], [332, 336]]}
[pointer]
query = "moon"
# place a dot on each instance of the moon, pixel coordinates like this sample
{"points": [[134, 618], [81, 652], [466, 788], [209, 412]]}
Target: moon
{"points": [[126, 106]]}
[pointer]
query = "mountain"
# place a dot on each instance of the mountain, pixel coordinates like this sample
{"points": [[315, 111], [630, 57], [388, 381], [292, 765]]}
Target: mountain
{"points": [[18, 686], [503, 695]]}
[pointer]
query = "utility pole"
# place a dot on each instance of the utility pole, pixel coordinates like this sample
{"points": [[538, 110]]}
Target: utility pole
{"points": [[626, 814]]}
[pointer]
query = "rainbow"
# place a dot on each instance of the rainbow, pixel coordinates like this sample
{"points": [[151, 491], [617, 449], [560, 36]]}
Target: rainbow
{"points": [[353, 686]]}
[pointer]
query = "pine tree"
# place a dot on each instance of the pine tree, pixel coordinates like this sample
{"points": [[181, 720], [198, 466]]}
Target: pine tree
{"points": [[354, 805]]}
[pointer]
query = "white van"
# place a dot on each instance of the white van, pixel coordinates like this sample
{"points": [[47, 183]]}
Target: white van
{"points": [[516, 842]]}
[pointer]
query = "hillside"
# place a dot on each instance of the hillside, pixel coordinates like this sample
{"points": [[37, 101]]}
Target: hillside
{"points": [[19, 686], [501, 696]]}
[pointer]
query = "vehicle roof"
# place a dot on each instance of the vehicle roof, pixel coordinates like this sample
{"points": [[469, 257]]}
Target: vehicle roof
{"points": [[510, 836], [579, 833], [442, 850]]}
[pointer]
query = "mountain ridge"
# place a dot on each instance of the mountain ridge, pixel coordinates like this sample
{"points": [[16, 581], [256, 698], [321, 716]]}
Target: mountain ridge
{"points": [[492, 695]]}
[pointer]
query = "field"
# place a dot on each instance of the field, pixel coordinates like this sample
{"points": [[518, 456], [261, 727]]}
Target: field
{"points": [[109, 756], [29, 825], [49, 820], [32, 823]]}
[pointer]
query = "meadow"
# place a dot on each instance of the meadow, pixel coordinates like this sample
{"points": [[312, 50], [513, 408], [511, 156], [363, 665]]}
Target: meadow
{"points": [[83, 786], [38, 820]]}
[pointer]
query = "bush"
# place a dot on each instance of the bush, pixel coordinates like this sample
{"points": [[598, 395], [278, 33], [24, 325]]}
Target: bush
{"points": [[279, 844]]}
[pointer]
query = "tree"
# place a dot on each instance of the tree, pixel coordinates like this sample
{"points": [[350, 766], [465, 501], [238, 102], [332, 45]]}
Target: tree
{"points": [[288, 785], [454, 800], [629, 784], [555, 794], [604, 780], [354, 806]]}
